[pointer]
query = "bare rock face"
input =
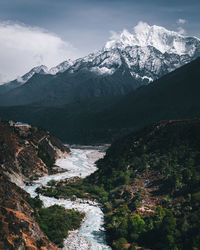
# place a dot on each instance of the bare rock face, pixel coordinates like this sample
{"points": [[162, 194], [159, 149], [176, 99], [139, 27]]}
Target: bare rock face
{"points": [[18, 227], [27, 152]]}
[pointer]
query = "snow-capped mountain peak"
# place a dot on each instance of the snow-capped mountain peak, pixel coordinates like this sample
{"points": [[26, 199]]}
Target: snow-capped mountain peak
{"points": [[42, 69], [61, 67], [160, 38], [128, 61], [146, 54]]}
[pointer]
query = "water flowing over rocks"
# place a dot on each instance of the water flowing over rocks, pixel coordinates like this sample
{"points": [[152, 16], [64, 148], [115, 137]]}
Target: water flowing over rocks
{"points": [[81, 164]]}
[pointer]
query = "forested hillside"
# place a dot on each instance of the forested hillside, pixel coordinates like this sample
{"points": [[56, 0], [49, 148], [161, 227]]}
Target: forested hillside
{"points": [[149, 185]]}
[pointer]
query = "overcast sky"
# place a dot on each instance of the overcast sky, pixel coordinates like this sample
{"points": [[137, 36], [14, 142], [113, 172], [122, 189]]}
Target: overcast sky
{"points": [[34, 32]]}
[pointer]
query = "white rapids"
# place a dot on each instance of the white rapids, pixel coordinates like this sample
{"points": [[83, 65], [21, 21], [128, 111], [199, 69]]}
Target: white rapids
{"points": [[81, 164]]}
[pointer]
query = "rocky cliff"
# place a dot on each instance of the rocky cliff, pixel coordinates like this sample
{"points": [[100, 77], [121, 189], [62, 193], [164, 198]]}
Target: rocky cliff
{"points": [[28, 152], [18, 227]]}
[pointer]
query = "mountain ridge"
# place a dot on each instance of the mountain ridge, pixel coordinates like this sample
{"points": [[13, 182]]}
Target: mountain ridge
{"points": [[100, 120], [135, 63]]}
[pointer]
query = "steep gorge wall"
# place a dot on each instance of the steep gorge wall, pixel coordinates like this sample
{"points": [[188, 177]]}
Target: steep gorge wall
{"points": [[26, 153]]}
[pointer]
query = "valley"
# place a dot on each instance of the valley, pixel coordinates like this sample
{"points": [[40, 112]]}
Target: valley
{"points": [[79, 164], [103, 151], [148, 183], [143, 193]]}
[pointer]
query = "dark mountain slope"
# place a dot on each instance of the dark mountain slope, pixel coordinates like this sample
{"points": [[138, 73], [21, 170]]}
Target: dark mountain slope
{"points": [[173, 96], [71, 123], [64, 88], [30, 92], [9, 86]]}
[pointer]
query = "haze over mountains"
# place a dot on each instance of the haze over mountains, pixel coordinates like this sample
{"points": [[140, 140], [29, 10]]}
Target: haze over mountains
{"points": [[126, 62]]}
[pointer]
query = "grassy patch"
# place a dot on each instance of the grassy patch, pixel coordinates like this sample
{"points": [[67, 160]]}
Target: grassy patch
{"points": [[56, 221]]}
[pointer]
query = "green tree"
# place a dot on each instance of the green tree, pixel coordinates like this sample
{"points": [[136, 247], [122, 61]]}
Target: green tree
{"points": [[120, 244], [136, 226]]}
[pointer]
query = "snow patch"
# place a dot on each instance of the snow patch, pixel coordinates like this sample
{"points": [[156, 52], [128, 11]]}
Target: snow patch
{"points": [[61, 67], [103, 70]]}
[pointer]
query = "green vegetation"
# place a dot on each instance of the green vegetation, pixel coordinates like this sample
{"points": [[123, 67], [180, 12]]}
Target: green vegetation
{"points": [[51, 183], [157, 169], [55, 221], [149, 184], [35, 203], [81, 189]]}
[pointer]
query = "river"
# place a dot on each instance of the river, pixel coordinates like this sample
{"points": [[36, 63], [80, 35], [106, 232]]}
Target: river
{"points": [[81, 164]]}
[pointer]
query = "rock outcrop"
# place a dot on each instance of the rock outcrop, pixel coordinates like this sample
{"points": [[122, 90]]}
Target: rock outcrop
{"points": [[28, 152], [18, 227]]}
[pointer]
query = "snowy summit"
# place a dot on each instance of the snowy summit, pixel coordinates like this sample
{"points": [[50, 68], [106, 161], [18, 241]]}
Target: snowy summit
{"points": [[158, 37], [146, 54]]}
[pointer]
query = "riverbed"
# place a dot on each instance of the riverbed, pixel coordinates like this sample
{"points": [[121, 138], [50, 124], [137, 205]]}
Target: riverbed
{"points": [[81, 163]]}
